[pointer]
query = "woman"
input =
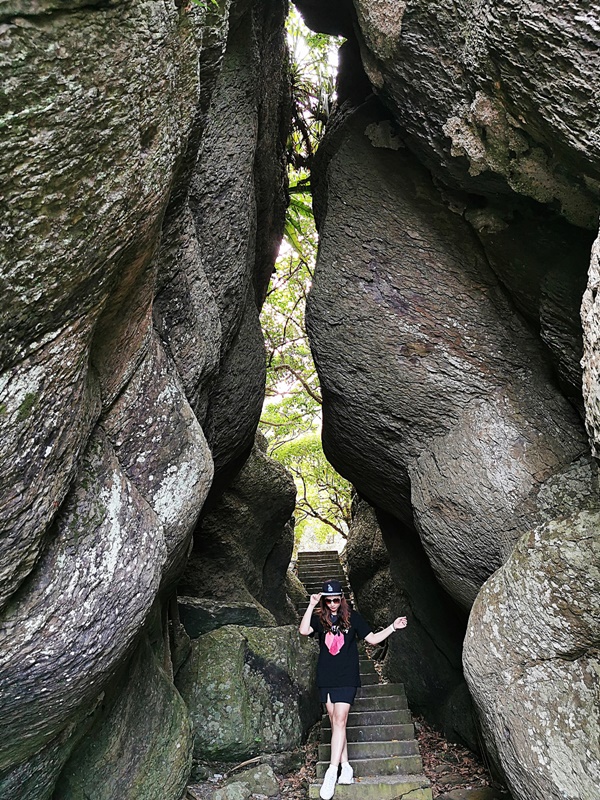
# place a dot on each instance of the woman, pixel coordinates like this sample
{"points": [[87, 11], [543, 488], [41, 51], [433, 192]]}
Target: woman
{"points": [[338, 677]]}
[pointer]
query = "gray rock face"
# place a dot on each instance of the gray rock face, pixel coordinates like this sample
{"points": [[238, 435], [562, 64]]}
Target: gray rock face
{"points": [[249, 690], [238, 205], [438, 402], [141, 748], [73, 160], [130, 364], [245, 542], [494, 98], [162, 449], [590, 314], [79, 613], [531, 657], [200, 615]]}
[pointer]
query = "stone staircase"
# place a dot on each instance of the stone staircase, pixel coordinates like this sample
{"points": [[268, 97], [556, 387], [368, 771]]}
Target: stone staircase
{"points": [[382, 747]]}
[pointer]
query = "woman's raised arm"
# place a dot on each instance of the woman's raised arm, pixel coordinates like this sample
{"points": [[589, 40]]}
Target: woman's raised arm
{"points": [[305, 626], [380, 636]]}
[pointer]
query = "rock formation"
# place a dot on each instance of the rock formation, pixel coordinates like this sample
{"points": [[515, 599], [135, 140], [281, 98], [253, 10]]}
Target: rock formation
{"points": [[531, 652], [457, 194], [457, 199], [244, 542], [439, 402], [391, 577], [143, 200], [249, 689]]}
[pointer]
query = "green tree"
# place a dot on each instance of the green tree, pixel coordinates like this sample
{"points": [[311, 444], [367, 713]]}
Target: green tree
{"points": [[291, 418]]}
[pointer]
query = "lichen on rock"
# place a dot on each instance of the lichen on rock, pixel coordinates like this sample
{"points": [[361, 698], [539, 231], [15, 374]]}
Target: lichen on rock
{"points": [[531, 660]]}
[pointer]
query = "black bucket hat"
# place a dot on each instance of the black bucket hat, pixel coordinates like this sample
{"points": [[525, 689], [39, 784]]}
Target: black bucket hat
{"points": [[331, 588]]}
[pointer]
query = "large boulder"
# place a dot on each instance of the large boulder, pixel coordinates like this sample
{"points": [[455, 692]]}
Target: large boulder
{"points": [[496, 99], [249, 691], [531, 657], [438, 402], [83, 184], [79, 613], [125, 372], [238, 201], [244, 544], [200, 615], [162, 449], [140, 747]]}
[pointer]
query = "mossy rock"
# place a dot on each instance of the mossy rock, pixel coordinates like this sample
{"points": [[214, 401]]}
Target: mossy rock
{"points": [[141, 749], [249, 691]]}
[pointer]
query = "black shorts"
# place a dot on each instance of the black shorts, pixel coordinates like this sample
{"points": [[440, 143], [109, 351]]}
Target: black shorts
{"points": [[338, 694]]}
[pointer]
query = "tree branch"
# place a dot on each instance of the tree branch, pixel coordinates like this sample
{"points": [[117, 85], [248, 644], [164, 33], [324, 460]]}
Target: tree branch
{"points": [[309, 390]]}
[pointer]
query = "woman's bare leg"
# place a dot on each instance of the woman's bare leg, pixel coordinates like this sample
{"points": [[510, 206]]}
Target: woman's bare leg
{"points": [[330, 706], [338, 714]]}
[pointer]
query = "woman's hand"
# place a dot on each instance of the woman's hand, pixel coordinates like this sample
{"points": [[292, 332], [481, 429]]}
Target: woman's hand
{"points": [[399, 622], [314, 599]]}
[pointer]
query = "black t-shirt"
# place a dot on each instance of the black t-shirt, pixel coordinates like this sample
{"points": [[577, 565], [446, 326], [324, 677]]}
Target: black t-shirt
{"points": [[342, 668]]}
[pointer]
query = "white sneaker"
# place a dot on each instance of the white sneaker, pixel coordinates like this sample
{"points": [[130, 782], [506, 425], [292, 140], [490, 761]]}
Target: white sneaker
{"points": [[347, 774], [328, 787]]}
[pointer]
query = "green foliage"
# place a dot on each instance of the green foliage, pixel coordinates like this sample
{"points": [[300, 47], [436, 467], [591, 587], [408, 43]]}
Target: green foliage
{"points": [[26, 406], [291, 418], [312, 56], [323, 495], [299, 232]]}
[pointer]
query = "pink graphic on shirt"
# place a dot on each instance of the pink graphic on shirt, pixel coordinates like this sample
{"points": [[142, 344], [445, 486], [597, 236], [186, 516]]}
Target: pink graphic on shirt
{"points": [[334, 642]]}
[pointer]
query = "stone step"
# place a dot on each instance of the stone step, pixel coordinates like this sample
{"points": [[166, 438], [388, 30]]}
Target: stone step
{"points": [[320, 575], [385, 787], [380, 703], [369, 678], [320, 567], [399, 716], [329, 568], [361, 750], [374, 733], [367, 667], [381, 688], [314, 587], [391, 765], [310, 554]]}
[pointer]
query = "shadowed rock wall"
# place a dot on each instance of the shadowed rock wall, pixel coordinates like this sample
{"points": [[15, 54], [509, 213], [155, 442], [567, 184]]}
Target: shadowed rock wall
{"points": [[143, 201], [456, 210]]}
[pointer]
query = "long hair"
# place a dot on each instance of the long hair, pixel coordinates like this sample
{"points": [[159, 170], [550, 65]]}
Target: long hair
{"points": [[324, 613]]}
